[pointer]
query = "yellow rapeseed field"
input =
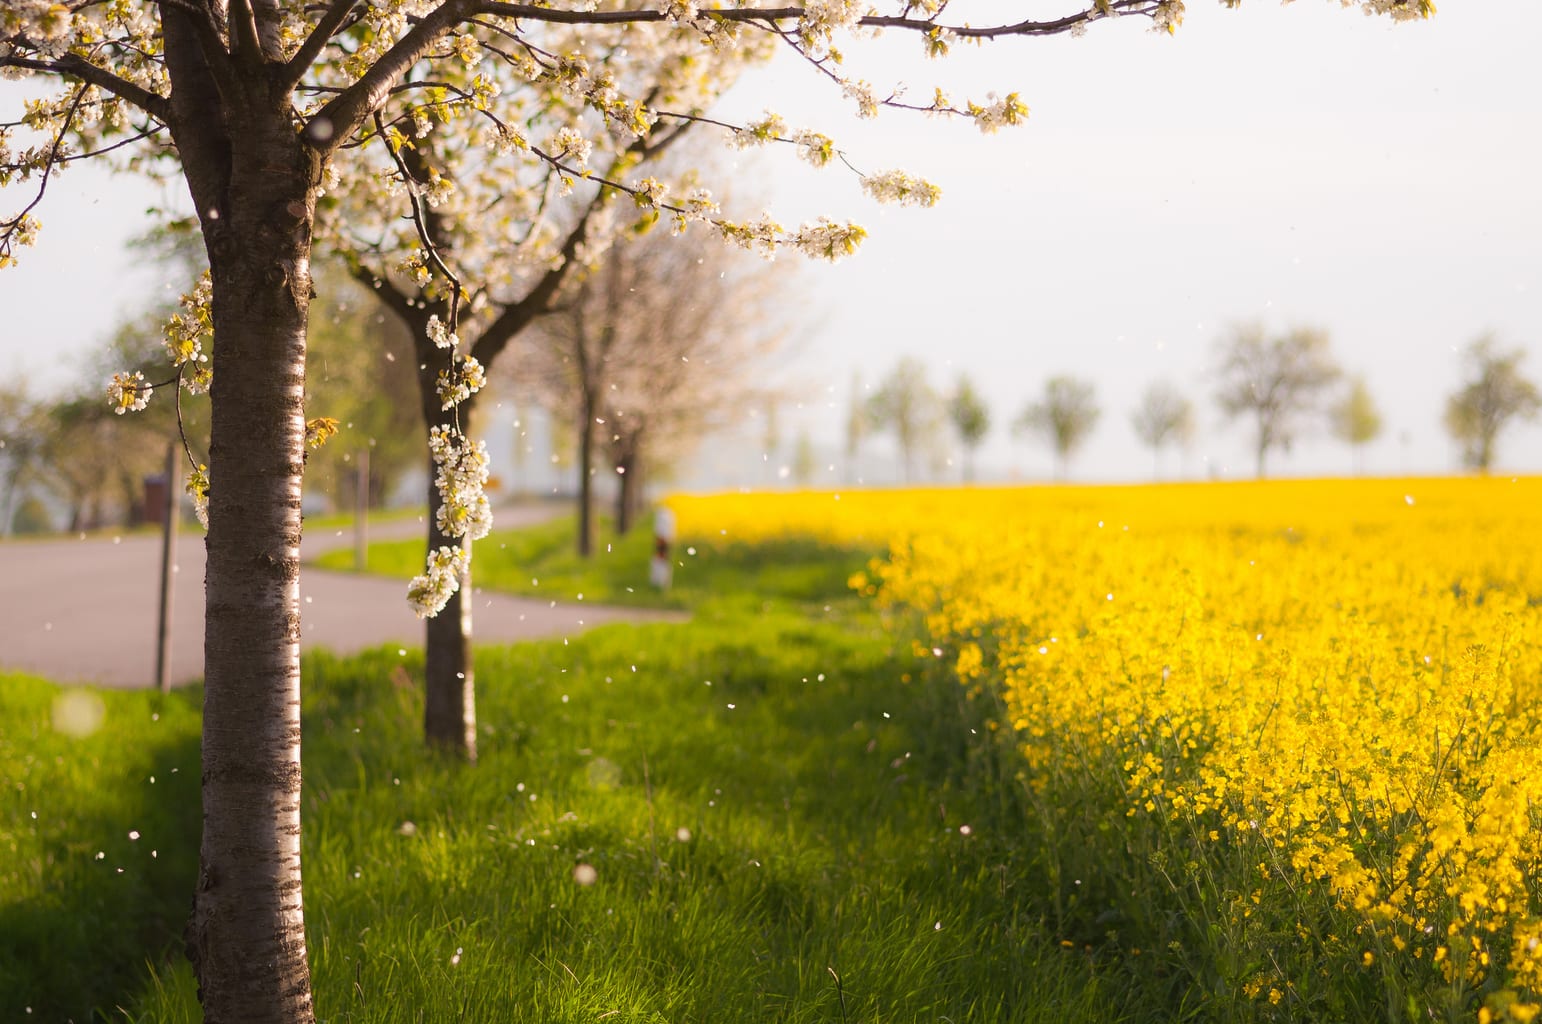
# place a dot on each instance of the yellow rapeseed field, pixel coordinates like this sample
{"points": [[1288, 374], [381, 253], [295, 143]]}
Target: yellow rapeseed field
{"points": [[1335, 684]]}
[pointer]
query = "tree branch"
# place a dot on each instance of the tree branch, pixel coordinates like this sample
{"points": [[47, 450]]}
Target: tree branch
{"points": [[244, 43], [347, 113], [336, 15], [540, 299], [155, 105], [773, 15]]}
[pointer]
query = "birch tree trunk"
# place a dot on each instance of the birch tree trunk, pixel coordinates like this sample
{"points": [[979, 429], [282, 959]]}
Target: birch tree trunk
{"points": [[253, 182]]}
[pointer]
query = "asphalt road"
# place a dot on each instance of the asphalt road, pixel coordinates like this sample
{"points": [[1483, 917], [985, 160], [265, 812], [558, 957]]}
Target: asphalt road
{"points": [[84, 610]]}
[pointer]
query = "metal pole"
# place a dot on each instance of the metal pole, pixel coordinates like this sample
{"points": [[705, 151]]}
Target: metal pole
{"points": [[361, 514], [169, 519]]}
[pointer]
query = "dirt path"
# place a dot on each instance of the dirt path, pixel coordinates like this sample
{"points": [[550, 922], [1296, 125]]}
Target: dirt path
{"points": [[84, 611]]}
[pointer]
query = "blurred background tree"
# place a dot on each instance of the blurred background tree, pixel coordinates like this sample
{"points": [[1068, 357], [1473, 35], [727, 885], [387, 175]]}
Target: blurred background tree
{"points": [[1279, 382], [971, 418], [1356, 420], [1164, 416], [905, 405], [1064, 417], [661, 345], [1496, 394]]}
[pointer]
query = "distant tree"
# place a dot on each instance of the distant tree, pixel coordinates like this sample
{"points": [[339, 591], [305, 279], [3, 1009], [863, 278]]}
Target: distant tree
{"points": [[805, 463], [971, 418], [1277, 381], [856, 426], [22, 419], [647, 354], [1495, 394], [1064, 417], [361, 371], [1355, 419], [906, 405], [1163, 417], [94, 461]]}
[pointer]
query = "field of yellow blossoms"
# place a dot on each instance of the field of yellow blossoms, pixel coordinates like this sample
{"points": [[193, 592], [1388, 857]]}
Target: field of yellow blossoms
{"points": [[1289, 733]]}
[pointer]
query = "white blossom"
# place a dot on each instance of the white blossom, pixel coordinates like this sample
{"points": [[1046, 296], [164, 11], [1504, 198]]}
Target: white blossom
{"points": [[1167, 17], [827, 240], [817, 149], [899, 187], [430, 592], [757, 133], [197, 487], [570, 142], [999, 113], [460, 382], [128, 392], [862, 92], [439, 334]]}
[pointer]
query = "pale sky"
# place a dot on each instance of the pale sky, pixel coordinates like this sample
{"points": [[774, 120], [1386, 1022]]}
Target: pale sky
{"points": [[1298, 165]]}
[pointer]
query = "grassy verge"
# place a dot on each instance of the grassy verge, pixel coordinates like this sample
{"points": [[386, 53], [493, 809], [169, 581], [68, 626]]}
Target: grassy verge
{"points": [[98, 843], [542, 561], [767, 814]]}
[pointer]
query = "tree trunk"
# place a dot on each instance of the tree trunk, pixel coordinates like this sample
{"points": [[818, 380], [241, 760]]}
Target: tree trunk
{"points": [[585, 478], [449, 678], [626, 491], [247, 935]]}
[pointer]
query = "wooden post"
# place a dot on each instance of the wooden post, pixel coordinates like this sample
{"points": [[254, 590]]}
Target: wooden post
{"points": [[361, 514], [169, 519], [661, 571]]}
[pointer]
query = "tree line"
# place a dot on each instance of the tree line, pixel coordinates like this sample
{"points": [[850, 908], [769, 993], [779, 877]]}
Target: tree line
{"points": [[1280, 385]]}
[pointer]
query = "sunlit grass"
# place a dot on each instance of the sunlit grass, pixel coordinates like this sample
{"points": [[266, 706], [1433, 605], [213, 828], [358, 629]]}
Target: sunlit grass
{"points": [[98, 842], [775, 800]]}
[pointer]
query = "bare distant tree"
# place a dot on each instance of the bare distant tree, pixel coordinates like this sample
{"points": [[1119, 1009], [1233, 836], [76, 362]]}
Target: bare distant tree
{"points": [[971, 418], [649, 353], [1355, 420], [856, 426], [1064, 417], [21, 433], [805, 461], [1164, 416], [905, 404], [1495, 394], [1276, 381]]}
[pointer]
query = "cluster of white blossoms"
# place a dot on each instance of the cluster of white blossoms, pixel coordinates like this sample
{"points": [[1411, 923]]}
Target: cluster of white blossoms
{"points": [[827, 240], [441, 335], [128, 392], [197, 487], [770, 128], [862, 92], [430, 592], [817, 149], [998, 113], [822, 19], [464, 512], [460, 478], [1167, 17], [186, 333], [902, 188], [680, 10], [460, 382], [569, 141]]}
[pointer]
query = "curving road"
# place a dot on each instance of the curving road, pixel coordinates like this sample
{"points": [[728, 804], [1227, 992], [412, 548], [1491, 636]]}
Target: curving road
{"points": [[84, 610]]}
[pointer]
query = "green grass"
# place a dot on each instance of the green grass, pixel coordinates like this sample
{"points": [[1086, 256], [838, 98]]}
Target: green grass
{"points": [[98, 843], [543, 561], [771, 798]]}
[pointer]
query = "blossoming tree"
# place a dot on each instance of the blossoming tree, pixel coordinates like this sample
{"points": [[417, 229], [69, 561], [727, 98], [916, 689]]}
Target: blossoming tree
{"points": [[255, 102], [502, 212]]}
